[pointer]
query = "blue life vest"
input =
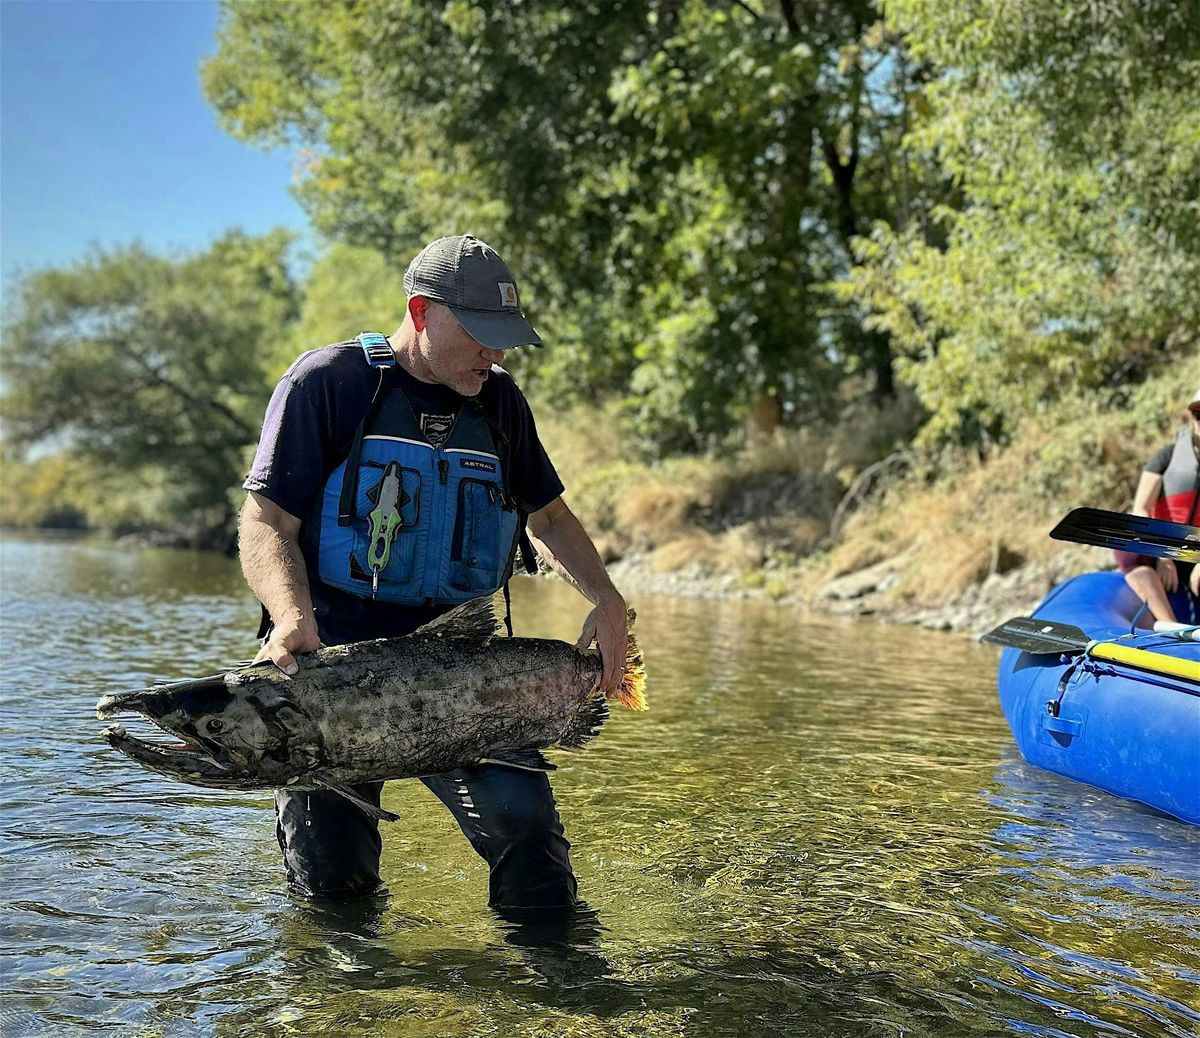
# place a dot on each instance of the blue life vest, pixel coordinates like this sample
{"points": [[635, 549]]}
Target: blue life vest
{"points": [[405, 522]]}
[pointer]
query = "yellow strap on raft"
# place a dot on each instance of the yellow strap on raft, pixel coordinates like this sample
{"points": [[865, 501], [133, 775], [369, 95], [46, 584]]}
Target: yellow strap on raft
{"points": [[1143, 659]]}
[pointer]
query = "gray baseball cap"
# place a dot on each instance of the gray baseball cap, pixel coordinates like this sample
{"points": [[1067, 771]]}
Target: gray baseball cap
{"points": [[471, 279]]}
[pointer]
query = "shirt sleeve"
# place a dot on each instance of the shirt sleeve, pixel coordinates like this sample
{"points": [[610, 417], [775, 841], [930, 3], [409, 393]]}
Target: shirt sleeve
{"points": [[1159, 460], [535, 482], [295, 450]]}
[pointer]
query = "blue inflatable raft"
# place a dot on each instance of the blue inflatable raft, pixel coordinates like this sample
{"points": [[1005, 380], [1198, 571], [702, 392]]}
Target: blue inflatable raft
{"points": [[1130, 729]]}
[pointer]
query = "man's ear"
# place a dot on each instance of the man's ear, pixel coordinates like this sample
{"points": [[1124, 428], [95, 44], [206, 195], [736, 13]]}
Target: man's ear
{"points": [[418, 309]]}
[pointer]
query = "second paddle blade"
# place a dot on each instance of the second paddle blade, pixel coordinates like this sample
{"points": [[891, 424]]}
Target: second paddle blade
{"points": [[1135, 533], [1038, 636]]}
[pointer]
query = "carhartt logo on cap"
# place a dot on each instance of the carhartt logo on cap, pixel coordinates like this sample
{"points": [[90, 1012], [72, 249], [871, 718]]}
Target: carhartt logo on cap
{"points": [[508, 293]]}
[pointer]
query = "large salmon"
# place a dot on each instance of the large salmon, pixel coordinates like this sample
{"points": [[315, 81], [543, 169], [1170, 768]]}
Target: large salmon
{"points": [[450, 695]]}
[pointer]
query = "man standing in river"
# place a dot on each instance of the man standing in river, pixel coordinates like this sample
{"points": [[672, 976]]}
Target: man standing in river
{"points": [[393, 480]]}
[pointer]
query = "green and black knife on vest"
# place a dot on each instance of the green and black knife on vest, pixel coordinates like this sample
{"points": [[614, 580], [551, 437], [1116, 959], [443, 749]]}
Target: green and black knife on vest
{"points": [[385, 519]]}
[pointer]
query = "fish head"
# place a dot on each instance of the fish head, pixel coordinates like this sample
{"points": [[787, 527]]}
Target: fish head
{"points": [[236, 730]]}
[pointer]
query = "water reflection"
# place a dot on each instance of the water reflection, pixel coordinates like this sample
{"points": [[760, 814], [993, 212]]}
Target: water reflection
{"points": [[821, 828]]}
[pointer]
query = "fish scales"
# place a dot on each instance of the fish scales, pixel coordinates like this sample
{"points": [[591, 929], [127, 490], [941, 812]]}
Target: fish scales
{"points": [[379, 713]]}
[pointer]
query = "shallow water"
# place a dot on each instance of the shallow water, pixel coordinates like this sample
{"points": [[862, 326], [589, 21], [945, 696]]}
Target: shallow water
{"points": [[820, 828]]}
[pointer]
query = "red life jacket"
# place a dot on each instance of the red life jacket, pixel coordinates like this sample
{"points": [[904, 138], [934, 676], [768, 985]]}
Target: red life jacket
{"points": [[1181, 483]]}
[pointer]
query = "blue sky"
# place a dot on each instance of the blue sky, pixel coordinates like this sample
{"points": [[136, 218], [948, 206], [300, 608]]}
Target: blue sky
{"points": [[105, 136]]}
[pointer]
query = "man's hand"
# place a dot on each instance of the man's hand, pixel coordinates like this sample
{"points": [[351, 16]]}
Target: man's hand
{"points": [[605, 625], [1168, 574], [1194, 581], [295, 634], [274, 568], [572, 554]]}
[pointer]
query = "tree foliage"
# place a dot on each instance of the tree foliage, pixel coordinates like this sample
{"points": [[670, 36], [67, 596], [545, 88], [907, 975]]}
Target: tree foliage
{"points": [[1073, 262], [677, 181], [142, 363], [346, 291]]}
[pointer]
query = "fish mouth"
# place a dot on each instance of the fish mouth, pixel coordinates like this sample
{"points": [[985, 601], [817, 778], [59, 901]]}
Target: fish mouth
{"points": [[186, 758]]}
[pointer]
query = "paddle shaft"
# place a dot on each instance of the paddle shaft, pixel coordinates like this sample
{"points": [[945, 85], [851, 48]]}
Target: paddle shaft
{"points": [[1048, 638]]}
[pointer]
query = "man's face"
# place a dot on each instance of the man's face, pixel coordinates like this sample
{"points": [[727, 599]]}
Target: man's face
{"points": [[453, 357]]}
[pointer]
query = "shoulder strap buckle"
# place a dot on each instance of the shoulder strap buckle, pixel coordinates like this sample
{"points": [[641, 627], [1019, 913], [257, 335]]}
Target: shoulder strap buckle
{"points": [[377, 349]]}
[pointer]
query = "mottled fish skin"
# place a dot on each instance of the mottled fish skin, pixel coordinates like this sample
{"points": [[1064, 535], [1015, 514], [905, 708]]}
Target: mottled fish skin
{"points": [[443, 702], [450, 695]]}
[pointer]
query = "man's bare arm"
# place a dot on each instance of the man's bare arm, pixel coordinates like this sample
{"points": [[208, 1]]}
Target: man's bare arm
{"points": [[269, 540], [572, 554]]}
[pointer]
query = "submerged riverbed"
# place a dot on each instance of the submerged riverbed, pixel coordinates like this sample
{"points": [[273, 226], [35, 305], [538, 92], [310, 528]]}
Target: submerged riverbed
{"points": [[820, 828]]}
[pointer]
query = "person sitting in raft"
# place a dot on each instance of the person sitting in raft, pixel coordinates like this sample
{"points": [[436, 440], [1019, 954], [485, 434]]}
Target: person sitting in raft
{"points": [[1169, 489]]}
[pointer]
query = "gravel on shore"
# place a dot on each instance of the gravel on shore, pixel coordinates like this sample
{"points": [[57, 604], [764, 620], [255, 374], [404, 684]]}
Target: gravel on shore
{"points": [[871, 593]]}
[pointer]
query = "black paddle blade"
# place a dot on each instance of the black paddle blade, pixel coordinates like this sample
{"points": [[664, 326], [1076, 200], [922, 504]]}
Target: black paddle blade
{"points": [[1135, 533], [1038, 636]]}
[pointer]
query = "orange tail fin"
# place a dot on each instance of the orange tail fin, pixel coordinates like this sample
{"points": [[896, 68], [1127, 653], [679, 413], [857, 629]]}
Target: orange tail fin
{"points": [[632, 693]]}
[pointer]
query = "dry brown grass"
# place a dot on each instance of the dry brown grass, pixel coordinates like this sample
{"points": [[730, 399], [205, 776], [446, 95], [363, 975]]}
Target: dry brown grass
{"points": [[976, 518], [767, 509], [695, 552], [653, 513], [739, 550]]}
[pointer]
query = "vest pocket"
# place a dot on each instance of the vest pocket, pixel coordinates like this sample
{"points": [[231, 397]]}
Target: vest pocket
{"points": [[475, 555]]}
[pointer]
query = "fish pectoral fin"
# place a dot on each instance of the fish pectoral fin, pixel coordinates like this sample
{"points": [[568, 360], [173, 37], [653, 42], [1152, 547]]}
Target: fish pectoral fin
{"points": [[529, 759], [370, 810]]}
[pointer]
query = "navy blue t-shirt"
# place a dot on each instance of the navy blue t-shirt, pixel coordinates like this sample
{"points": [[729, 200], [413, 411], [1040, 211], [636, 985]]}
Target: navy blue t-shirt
{"points": [[309, 427]]}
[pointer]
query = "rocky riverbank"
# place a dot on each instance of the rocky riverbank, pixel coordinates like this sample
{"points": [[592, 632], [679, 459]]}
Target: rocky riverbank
{"points": [[871, 592]]}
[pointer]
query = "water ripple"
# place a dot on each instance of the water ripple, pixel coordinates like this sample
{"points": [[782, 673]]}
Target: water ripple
{"points": [[820, 828]]}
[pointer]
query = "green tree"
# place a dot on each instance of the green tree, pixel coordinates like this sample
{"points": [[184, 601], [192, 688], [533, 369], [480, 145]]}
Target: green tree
{"points": [[348, 290], [677, 180], [137, 362], [1073, 263]]}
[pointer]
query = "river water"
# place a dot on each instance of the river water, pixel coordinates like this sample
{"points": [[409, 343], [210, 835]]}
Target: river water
{"points": [[819, 828]]}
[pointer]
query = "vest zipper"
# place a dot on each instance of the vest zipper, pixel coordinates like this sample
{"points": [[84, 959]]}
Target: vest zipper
{"points": [[443, 471]]}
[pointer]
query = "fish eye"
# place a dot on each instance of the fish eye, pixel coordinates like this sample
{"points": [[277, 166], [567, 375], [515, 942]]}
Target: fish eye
{"points": [[215, 725]]}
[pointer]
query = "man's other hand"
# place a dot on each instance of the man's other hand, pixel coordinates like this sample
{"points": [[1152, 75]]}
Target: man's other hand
{"points": [[1168, 574], [606, 627]]}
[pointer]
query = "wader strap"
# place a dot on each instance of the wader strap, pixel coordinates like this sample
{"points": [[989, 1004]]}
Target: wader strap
{"points": [[350, 476], [377, 349], [529, 555], [264, 623], [500, 434], [380, 356], [507, 610]]}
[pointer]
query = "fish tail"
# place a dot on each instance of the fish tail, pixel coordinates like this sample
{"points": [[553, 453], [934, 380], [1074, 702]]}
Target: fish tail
{"points": [[632, 692]]}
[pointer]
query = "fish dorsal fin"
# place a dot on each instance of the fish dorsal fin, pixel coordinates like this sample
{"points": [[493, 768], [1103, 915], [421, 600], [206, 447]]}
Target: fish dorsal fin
{"points": [[473, 621]]}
